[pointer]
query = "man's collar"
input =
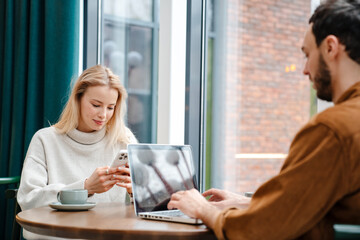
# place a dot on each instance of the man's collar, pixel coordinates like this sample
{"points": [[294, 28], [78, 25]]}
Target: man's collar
{"points": [[352, 92]]}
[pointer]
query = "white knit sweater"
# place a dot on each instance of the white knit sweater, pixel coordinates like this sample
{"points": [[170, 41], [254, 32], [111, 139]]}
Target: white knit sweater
{"points": [[63, 161]]}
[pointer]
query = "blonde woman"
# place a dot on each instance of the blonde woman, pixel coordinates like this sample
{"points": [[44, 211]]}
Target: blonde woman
{"points": [[75, 152]]}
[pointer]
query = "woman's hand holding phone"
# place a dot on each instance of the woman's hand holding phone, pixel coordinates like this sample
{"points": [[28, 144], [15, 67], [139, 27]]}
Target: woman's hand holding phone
{"points": [[123, 172], [101, 180], [104, 178]]}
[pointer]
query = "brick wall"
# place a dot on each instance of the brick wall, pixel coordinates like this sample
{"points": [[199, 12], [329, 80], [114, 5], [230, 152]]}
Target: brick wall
{"points": [[271, 99]]}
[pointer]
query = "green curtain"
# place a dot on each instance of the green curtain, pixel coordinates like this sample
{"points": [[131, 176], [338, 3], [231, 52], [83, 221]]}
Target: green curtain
{"points": [[38, 58]]}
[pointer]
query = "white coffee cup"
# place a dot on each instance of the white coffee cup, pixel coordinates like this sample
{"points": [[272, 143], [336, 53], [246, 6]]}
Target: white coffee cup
{"points": [[72, 196]]}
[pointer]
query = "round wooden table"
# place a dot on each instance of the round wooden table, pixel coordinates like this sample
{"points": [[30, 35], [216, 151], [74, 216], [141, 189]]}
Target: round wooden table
{"points": [[106, 221]]}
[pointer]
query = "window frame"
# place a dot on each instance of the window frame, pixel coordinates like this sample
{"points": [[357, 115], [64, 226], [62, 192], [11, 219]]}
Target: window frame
{"points": [[195, 122]]}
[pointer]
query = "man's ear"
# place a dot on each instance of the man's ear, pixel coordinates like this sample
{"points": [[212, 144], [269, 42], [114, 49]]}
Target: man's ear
{"points": [[331, 47]]}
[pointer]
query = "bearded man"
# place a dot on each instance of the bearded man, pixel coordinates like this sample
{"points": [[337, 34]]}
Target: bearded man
{"points": [[319, 183]]}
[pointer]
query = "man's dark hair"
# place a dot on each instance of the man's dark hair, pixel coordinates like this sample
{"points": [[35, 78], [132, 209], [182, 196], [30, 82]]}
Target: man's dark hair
{"points": [[340, 18]]}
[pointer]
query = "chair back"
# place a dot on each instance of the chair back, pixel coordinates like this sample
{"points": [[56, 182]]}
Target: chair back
{"points": [[10, 194], [345, 231]]}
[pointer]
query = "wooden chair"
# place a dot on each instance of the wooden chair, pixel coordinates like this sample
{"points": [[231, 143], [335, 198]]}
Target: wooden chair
{"points": [[10, 194]]}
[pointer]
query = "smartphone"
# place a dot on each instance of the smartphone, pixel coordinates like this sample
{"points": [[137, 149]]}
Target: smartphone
{"points": [[121, 159]]}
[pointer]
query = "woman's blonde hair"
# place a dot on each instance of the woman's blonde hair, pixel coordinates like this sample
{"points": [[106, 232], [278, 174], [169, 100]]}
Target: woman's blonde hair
{"points": [[96, 76]]}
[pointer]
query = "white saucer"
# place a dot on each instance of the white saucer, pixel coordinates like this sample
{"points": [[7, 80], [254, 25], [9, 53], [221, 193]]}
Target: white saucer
{"points": [[72, 207]]}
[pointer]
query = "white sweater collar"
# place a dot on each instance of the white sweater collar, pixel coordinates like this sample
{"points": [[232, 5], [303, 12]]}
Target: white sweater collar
{"points": [[87, 138]]}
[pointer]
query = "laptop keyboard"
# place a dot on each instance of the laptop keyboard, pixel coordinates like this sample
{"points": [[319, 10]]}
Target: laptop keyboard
{"points": [[172, 213]]}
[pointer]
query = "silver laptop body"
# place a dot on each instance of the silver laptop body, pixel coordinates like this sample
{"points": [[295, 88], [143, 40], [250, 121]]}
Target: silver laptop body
{"points": [[158, 171]]}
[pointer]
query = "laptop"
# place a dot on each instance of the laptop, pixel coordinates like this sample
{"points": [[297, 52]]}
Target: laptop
{"points": [[158, 171]]}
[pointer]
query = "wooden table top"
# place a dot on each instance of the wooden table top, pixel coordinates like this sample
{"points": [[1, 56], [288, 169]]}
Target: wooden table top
{"points": [[106, 221]]}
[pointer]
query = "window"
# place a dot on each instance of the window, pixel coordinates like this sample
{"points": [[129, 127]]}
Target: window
{"points": [[257, 97], [124, 35], [129, 41], [239, 96]]}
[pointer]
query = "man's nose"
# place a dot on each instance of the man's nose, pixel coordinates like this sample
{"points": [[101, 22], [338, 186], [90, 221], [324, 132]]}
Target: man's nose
{"points": [[305, 68]]}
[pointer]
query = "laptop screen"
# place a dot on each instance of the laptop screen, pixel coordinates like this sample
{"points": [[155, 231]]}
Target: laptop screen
{"points": [[158, 171]]}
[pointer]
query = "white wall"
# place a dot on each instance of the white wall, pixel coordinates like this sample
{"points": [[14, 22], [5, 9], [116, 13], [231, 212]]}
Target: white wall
{"points": [[171, 83]]}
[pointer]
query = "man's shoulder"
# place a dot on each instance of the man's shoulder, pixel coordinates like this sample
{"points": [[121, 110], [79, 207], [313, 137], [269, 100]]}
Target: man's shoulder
{"points": [[341, 118], [340, 112]]}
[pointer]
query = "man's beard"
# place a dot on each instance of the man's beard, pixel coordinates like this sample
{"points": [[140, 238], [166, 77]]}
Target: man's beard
{"points": [[322, 81]]}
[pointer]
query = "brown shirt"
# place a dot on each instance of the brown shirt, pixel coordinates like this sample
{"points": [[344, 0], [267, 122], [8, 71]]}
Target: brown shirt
{"points": [[318, 185]]}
